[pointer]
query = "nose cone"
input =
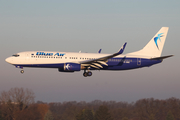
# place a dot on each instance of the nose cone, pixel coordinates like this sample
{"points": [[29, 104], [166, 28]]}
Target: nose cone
{"points": [[9, 60]]}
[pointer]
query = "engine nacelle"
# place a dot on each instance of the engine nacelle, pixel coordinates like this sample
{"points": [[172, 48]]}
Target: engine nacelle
{"points": [[70, 67]]}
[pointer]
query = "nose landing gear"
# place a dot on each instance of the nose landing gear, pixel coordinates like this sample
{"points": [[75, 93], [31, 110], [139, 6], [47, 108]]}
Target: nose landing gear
{"points": [[21, 67], [22, 71]]}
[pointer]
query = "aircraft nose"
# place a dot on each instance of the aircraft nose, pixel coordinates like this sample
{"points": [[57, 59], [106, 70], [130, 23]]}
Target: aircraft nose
{"points": [[8, 60]]}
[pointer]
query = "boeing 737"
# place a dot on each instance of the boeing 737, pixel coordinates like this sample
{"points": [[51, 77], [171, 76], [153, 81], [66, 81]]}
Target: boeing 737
{"points": [[71, 61]]}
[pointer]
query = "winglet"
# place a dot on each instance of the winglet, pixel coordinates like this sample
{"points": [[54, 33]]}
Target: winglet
{"points": [[121, 50], [99, 51]]}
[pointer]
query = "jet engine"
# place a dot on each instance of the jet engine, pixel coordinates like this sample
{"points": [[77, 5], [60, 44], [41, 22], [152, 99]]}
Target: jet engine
{"points": [[70, 67]]}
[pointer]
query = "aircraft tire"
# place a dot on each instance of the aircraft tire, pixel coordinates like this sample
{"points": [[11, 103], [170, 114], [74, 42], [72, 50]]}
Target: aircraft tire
{"points": [[22, 71], [89, 73], [85, 74]]}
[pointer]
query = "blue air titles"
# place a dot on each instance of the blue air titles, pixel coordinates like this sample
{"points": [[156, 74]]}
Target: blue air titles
{"points": [[50, 54]]}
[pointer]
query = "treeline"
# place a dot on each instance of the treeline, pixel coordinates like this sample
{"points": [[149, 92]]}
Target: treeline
{"points": [[18, 104], [144, 109]]}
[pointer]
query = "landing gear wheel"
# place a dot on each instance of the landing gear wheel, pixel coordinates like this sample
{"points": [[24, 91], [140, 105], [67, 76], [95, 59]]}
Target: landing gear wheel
{"points": [[85, 74], [22, 71], [89, 73]]}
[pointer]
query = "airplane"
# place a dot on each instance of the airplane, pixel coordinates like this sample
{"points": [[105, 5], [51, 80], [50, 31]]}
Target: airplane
{"points": [[72, 61]]}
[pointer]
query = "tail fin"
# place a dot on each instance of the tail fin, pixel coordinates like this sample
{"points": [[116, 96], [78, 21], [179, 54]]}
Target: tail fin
{"points": [[155, 46]]}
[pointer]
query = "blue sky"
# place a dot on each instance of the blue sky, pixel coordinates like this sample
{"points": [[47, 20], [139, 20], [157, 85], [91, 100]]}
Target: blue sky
{"points": [[89, 26]]}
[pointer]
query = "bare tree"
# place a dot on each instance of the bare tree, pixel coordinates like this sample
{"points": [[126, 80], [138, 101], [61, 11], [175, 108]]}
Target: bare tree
{"points": [[18, 96], [14, 100]]}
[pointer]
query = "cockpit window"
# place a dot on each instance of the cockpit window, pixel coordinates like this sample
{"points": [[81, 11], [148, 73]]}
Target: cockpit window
{"points": [[15, 55]]}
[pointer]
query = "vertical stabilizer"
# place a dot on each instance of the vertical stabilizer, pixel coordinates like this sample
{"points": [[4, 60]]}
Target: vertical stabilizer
{"points": [[155, 46]]}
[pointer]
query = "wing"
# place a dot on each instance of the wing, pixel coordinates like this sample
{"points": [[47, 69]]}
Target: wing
{"points": [[97, 63]]}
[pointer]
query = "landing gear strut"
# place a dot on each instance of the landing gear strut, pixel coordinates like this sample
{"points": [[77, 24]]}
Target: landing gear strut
{"points": [[85, 74], [21, 67]]}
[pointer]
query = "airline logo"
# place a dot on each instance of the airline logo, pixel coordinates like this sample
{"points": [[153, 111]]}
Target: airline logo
{"points": [[67, 66], [50, 54], [158, 38]]}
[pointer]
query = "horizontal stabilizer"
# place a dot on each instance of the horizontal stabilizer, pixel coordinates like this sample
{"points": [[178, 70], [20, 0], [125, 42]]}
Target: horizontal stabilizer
{"points": [[161, 58]]}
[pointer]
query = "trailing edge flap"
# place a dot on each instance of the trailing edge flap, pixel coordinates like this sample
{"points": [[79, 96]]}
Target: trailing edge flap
{"points": [[161, 58], [121, 50]]}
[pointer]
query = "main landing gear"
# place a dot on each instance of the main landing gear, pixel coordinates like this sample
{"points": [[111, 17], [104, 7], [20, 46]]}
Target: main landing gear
{"points": [[85, 74]]}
